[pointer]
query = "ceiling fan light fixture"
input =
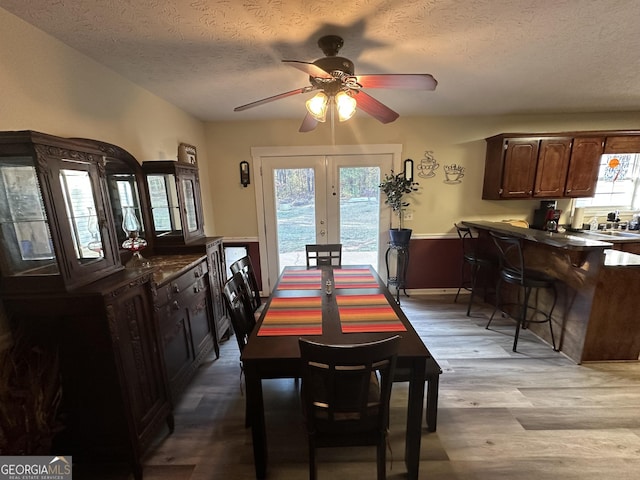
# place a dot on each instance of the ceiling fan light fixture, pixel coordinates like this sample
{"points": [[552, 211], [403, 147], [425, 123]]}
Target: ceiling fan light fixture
{"points": [[317, 106], [346, 106]]}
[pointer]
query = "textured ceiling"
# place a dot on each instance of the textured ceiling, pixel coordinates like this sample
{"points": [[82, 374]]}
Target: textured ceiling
{"points": [[489, 56]]}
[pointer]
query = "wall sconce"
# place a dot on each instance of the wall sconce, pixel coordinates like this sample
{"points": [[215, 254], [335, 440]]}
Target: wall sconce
{"points": [[244, 173], [408, 169]]}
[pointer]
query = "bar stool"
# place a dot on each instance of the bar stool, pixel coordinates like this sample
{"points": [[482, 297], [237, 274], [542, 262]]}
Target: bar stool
{"points": [[514, 272], [471, 259]]}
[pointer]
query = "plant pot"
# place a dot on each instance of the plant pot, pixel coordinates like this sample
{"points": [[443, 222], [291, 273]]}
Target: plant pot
{"points": [[400, 237]]}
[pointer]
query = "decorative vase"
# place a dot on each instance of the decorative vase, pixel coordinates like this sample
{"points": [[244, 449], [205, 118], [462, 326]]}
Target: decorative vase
{"points": [[400, 237]]}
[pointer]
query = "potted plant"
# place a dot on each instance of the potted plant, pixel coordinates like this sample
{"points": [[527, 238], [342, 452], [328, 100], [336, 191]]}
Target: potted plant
{"points": [[396, 187]]}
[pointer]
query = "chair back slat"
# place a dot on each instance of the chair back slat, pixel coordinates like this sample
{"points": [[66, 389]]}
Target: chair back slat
{"points": [[324, 254]]}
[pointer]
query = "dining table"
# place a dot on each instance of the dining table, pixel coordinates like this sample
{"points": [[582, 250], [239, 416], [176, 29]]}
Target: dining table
{"points": [[333, 305]]}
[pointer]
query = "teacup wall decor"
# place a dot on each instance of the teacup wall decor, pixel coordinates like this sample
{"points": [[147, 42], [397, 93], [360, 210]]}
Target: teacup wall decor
{"points": [[453, 173], [428, 165]]}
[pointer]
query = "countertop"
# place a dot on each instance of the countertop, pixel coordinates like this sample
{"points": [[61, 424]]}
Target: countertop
{"points": [[569, 241], [613, 236], [616, 258], [168, 267]]}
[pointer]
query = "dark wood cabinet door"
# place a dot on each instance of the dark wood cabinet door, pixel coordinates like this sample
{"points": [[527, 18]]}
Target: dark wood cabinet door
{"points": [[135, 337], [177, 346], [583, 166], [551, 171], [520, 160], [623, 144]]}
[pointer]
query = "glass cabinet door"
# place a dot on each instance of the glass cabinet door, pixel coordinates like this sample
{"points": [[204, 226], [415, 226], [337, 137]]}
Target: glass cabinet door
{"points": [[82, 214], [191, 215], [165, 207], [24, 227], [174, 196]]}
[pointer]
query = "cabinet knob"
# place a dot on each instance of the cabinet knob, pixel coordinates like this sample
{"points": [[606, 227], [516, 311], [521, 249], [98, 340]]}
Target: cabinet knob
{"points": [[176, 289], [176, 305], [197, 273]]}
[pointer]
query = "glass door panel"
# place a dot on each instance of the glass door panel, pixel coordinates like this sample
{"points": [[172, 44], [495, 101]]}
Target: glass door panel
{"points": [[294, 195], [190, 205], [82, 214], [359, 214], [24, 227], [165, 211]]}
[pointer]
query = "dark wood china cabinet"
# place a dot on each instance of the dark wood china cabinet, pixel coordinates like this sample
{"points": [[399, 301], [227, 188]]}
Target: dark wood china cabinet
{"points": [[129, 339], [55, 220]]}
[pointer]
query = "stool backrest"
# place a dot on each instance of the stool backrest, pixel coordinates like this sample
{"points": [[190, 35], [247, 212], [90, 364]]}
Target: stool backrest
{"points": [[511, 256]]}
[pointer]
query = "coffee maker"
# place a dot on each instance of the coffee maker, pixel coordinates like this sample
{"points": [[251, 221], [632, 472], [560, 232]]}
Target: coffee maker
{"points": [[547, 216]]}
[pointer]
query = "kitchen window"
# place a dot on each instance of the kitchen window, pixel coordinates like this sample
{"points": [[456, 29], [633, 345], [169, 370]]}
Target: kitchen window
{"points": [[618, 183]]}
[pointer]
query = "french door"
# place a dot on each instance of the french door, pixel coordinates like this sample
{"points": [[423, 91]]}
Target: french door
{"points": [[332, 197]]}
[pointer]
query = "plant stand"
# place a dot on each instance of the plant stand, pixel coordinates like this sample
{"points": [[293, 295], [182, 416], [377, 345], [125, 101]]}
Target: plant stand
{"points": [[397, 262]]}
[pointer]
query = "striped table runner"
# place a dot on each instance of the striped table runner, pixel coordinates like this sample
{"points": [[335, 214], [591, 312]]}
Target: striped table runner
{"points": [[293, 316], [367, 313], [300, 280], [354, 278]]}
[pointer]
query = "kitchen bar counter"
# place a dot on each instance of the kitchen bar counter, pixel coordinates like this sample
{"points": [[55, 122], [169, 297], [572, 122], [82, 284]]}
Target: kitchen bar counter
{"points": [[596, 317], [559, 240]]}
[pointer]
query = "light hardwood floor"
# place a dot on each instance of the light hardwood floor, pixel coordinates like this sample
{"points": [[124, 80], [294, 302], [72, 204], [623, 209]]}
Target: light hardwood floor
{"points": [[502, 415]]}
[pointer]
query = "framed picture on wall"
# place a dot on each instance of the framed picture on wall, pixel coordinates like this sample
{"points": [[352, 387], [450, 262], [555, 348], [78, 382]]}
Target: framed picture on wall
{"points": [[187, 154]]}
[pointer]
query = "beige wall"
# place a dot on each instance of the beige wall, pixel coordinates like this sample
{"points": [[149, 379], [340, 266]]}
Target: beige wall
{"points": [[48, 87], [435, 206]]}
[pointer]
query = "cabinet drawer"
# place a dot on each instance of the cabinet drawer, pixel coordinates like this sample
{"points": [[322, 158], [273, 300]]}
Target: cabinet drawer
{"points": [[170, 290]]}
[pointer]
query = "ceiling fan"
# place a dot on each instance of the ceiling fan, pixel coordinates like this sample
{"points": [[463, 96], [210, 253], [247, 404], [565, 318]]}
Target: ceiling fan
{"points": [[334, 77]]}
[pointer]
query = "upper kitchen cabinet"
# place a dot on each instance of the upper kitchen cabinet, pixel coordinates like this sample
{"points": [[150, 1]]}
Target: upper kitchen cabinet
{"points": [[549, 165], [175, 201], [629, 143], [56, 224], [510, 167], [582, 176], [552, 167]]}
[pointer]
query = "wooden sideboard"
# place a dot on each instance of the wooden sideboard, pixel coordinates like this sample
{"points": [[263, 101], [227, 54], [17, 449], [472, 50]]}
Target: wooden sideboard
{"points": [[115, 393]]}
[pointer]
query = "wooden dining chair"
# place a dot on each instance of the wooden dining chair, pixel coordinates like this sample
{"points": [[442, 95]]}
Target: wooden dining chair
{"points": [[245, 267], [346, 391], [243, 321], [324, 254]]}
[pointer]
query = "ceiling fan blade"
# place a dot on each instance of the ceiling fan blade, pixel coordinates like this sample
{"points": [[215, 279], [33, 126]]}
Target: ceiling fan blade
{"points": [[309, 68], [374, 108], [309, 123], [422, 81], [275, 97]]}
